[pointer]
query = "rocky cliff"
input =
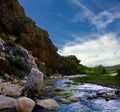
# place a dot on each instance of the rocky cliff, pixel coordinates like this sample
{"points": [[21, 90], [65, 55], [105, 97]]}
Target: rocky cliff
{"points": [[14, 22]]}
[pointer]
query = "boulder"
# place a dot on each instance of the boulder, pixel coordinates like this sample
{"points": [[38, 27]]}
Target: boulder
{"points": [[7, 102], [25, 104], [13, 90], [73, 98], [35, 80], [63, 100], [48, 104]]}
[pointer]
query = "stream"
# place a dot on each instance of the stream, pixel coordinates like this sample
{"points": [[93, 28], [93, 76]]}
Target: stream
{"points": [[85, 105]]}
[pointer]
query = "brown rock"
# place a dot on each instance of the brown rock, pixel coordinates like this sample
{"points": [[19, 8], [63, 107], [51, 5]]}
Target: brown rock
{"points": [[73, 98], [63, 100], [13, 90], [48, 104], [58, 89], [91, 96], [25, 105]]}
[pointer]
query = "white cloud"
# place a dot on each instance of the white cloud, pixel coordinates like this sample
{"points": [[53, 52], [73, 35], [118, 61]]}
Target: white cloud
{"points": [[100, 20], [104, 50]]}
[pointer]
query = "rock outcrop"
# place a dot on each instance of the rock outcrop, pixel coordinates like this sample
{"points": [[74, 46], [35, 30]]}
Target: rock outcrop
{"points": [[17, 52], [23, 30]]}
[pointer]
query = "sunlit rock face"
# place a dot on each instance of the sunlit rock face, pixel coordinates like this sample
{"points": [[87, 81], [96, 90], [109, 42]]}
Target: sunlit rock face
{"points": [[13, 21]]}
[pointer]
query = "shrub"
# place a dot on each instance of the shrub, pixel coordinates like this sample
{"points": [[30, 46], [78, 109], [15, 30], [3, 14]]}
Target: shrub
{"points": [[97, 70], [118, 72], [46, 70], [3, 36], [12, 66]]}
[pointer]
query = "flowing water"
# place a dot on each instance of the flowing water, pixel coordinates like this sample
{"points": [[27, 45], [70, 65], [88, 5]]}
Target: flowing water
{"points": [[86, 105]]}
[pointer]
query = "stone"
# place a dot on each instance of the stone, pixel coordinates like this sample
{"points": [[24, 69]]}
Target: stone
{"points": [[13, 90], [112, 95], [73, 98], [4, 84], [1, 80], [63, 100], [7, 102], [58, 89], [100, 92], [35, 80], [91, 96], [49, 104], [25, 104]]}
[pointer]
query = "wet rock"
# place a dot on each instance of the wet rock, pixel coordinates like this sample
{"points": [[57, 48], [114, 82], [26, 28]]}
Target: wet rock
{"points": [[101, 92], [34, 81], [7, 102], [91, 96], [25, 105], [48, 104], [58, 89], [63, 100], [13, 90], [112, 95], [109, 96], [73, 98]]}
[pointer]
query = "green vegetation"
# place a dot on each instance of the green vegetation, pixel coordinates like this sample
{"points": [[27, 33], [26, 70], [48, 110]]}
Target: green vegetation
{"points": [[97, 70], [105, 80], [118, 72], [47, 71], [12, 67], [66, 93], [113, 69], [68, 65], [7, 40]]}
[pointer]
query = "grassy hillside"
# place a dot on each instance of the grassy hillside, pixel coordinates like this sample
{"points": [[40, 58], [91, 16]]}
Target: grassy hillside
{"points": [[114, 68]]}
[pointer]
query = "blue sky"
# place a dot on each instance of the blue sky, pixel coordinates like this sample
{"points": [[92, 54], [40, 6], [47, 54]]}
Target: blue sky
{"points": [[89, 29]]}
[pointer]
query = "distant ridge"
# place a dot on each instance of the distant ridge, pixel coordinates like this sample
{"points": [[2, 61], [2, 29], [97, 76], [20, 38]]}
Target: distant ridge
{"points": [[112, 68]]}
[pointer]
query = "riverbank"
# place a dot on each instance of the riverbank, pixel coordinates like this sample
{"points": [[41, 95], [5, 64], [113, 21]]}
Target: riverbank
{"points": [[104, 80]]}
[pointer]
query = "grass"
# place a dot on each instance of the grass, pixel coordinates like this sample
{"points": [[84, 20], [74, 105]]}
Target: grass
{"points": [[66, 93], [105, 80]]}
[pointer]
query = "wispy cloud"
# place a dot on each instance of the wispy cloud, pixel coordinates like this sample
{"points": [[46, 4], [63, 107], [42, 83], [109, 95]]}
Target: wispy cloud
{"points": [[100, 20], [104, 50]]}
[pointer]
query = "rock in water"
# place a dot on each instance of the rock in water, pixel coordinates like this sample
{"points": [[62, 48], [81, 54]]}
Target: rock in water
{"points": [[34, 81], [25, 105]]}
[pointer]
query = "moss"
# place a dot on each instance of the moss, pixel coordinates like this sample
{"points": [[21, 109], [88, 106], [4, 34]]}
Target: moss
{"points": [[66, 93]]}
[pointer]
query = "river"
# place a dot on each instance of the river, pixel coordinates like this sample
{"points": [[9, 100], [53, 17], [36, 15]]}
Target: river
{"points": [[85, 105]]}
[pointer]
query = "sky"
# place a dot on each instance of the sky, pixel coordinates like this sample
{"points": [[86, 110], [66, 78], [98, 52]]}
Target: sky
{"points": [[88, 29]]}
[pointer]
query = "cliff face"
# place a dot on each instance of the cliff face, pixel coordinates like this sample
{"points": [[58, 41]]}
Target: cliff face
{"points": [[13, 21]]}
